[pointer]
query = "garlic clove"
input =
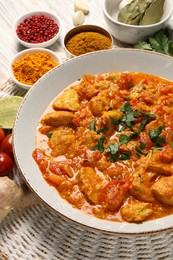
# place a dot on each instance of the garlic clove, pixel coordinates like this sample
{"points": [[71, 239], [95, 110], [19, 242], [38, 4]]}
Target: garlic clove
{"points": [[80, 5], [78, 18]]}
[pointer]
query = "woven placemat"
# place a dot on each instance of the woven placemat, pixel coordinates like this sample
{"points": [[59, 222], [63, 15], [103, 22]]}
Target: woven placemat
{"points": [[37, 232]]}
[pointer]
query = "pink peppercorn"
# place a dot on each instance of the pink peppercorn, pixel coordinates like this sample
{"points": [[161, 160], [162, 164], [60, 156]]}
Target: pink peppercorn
{"points": [[37, 29]]}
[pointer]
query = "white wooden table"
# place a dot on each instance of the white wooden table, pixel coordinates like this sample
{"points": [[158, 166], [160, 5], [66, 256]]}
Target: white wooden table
{"points": [[37, 233]]}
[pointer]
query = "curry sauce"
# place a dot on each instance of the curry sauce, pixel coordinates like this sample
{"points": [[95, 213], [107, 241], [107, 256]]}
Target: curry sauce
{"points": [[106, 144]]}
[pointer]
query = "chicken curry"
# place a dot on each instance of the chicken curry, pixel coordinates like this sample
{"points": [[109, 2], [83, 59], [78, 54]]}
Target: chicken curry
{"points": [[106, 145]]}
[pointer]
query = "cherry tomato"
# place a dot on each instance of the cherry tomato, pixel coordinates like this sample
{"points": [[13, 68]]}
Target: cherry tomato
{"points": [[2, 135], [6, 145], [6, 164]]}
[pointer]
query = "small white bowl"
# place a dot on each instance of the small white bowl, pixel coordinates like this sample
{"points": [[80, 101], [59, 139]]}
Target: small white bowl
{"points": [[19, 55], [132, 34], [36, 13]]}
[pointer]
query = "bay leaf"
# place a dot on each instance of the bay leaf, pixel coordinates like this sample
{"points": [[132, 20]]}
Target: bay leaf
{"points": [[130, 13], [153, 12], [141, 12]]}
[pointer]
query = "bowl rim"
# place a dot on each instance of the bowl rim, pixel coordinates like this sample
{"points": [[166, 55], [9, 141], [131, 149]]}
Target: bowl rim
{"points": [[21, 54], [100, 224], [137, 26], [52, 15]]}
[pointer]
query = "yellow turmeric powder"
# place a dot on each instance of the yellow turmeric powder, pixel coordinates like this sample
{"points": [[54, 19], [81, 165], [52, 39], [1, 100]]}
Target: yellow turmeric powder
{"points": [[31, 67], [84, 42]]}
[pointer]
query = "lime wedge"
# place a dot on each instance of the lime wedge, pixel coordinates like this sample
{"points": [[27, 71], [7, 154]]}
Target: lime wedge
{"points": [[8, 110]]}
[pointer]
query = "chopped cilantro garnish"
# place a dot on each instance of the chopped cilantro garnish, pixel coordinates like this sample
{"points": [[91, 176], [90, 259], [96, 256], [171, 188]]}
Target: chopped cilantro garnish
{"points": [[101, 130], [155, 136], [142, 145], [49, 135], [99, 145], [141, 127], [113, 148], [92, 126], [125, 156], [171, 146], [124, 139], [129, 116], [114, 121], [141, 179], [139, 151], [152, 116]]}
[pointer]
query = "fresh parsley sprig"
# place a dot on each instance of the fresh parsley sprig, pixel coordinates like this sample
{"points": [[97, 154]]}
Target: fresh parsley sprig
{"points": [[161, 41]]}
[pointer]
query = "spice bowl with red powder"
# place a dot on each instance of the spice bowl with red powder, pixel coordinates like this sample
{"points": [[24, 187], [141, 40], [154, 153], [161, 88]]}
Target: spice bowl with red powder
{"points": [[30, 65], [37, 29]]}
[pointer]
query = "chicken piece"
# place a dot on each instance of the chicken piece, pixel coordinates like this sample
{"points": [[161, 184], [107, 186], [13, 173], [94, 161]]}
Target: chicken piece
{"points": [[58, 118], [45, 129], [87, 88], [68, 100], [140, 190], [163, 190], [136, 212], [155, 164], [60, 141], [108, 115], [98, 104], [90, 183], [89, 139]]}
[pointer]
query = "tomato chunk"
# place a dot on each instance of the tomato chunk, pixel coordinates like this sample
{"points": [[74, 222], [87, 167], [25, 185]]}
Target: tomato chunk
{"points": [[113, 194]]}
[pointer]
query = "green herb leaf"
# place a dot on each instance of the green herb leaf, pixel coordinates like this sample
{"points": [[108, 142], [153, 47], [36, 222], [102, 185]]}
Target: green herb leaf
{"points": [[152, 116], [139, 151], [128, 114], [124, 139], [125, 156], [155, 136], [141, 127], [161, 41], [49, 135], [102, 130], [141, 179], [92, 126], [113, 148], [114, 121], [143, 46], [142, 145], [99, 145]]}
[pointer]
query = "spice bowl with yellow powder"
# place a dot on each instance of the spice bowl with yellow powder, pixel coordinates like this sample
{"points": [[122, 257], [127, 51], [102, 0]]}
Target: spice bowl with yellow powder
{"points": [[87, 38], [28, 66]]}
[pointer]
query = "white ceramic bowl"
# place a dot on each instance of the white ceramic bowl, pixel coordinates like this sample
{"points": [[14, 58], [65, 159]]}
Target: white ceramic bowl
{"points": [[45, 90], [35, 13], [132, 34], [19, 55]]}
